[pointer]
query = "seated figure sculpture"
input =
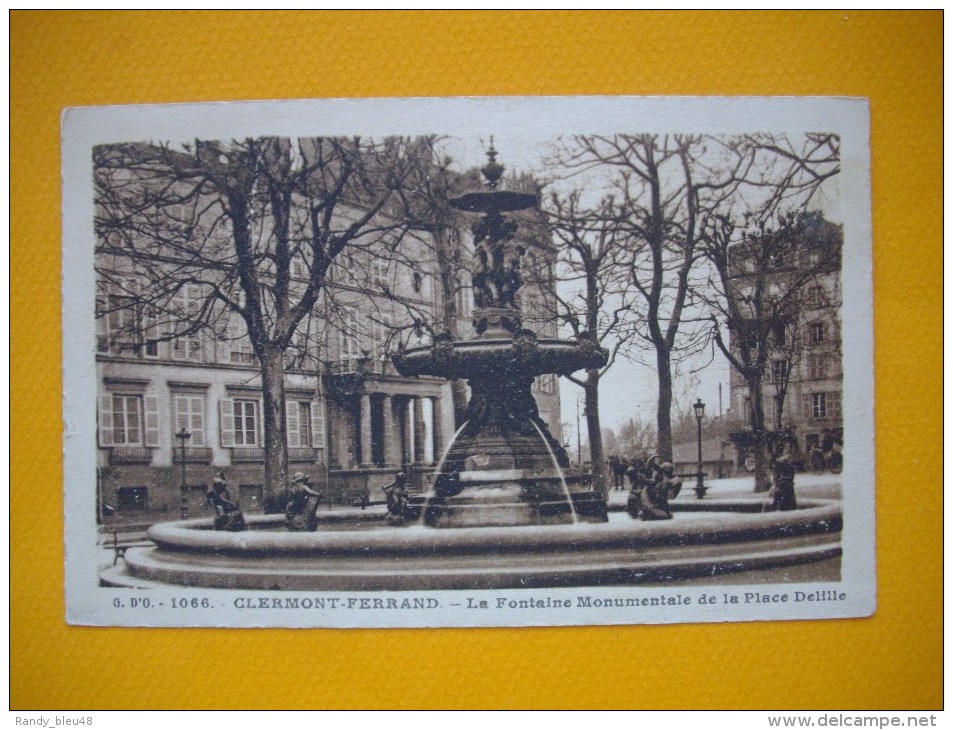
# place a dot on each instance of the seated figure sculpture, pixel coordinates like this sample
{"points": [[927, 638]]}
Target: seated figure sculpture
{"points": [[228, 516], [639, 474], [396, 493], [655, 496], [303, 501]]}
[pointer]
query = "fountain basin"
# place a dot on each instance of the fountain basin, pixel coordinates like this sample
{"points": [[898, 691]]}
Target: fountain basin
{"points": [[723, 536]]}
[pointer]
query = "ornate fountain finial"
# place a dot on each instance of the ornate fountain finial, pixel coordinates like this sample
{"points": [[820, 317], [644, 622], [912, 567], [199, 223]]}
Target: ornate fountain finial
{"points": [[492, 170]]}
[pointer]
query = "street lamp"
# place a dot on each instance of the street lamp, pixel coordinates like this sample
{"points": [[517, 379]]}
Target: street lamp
{"points": [[699, 415], [183, 435]]}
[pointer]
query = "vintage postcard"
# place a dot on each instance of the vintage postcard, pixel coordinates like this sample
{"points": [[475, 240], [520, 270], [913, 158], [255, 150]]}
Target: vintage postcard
{"points": [[428, 362]]}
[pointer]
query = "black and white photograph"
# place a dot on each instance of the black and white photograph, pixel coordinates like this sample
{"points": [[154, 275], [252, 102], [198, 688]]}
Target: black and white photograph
{"points": [[468, 362]]}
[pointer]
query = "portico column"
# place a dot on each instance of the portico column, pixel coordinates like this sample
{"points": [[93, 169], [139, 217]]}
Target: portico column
{"points": [[365, 429], [391, 440], [420, 432], [437, 429], [408, 422]]}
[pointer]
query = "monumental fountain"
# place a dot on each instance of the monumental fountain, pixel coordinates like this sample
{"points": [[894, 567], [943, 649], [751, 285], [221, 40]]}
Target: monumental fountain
{"points": [[503, 466], [501, 511]]}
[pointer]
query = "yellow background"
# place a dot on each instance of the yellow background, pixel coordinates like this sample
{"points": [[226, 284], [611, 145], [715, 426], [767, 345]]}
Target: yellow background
{"points": [[892, 660]]}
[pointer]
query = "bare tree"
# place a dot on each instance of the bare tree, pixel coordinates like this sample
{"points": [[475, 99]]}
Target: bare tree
{"points": [[663, 184], [770, 281], [192, 239], [590, 291]]}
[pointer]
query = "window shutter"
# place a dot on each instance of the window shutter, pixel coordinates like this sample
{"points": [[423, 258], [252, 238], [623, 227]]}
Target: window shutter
{"points": [[260, 421], [106, 420], [317, 424], [190, 413], [181, 413], [152, 420], [833, 404], [291, 414], [807, 412], [226, 422], [197, 426]]}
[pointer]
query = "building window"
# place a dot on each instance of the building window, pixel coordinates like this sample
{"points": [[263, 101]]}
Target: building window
{"points": [[186, 304], [349, 344], [816, 333], [417, 281], [133, 499], [122, 326], [818, 405], [304, 423], [241, 354], [298, 415], [816, 367], [779, 333], [779, 371], [245, 413], [190, 415], [380, 334], [379, 272], [813, 296], [127, 420], [187, 347]]}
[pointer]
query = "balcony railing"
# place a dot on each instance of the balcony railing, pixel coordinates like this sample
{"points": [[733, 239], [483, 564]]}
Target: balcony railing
{"points": [[302, 454], [248, 454], [193, 455], [130, 455]]}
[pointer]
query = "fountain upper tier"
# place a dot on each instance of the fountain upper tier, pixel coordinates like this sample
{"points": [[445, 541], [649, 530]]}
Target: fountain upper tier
{"points": [[497, 355]]}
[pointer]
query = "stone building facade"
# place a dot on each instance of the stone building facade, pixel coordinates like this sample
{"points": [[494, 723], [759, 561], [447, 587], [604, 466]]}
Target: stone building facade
{"points": [[802, 384], [352, 421]]}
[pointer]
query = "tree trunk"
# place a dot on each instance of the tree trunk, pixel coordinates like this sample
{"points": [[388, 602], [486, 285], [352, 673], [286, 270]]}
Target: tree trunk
{"points": [[664, 413], [762, 450], [594, 429], [273, 407]]}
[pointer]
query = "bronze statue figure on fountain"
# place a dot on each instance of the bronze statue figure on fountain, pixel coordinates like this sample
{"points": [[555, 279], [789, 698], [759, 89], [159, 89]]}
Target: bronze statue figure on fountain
{"points": [[303, 501], [396, 493], [228, 516]]}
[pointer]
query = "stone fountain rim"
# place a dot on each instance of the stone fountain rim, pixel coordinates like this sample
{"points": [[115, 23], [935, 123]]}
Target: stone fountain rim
{"points": [[814, 515]]}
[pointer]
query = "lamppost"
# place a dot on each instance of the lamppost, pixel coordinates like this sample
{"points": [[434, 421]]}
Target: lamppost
{"points": [[183, 435], [699, 415]]}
